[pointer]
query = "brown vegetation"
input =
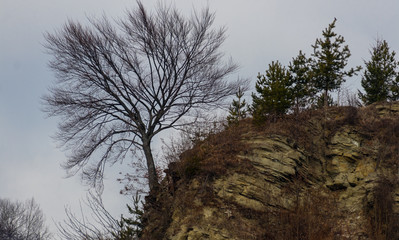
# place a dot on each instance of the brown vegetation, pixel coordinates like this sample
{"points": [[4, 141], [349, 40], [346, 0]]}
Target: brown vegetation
{"points": [[308, 209]]}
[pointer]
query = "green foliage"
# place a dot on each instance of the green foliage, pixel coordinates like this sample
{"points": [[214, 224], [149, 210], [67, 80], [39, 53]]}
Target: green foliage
{"points": [[320, 101], [280, 89], [330, 58], [275, 96], [395, 89], [302, 87], [237, 109], [380, 74], [131, 228]]}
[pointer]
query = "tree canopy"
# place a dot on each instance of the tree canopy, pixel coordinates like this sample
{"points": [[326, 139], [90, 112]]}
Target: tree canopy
{"points": [[274, 94], [238, 108], [302, 88], [22, 221], [296, 88], [380, 74], [119, 85], [330, 57]]}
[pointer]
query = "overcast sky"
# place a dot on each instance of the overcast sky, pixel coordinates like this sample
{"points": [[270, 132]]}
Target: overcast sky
{"points": [[259, 31]]}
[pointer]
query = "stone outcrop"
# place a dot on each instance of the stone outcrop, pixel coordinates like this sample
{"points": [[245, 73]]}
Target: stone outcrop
{"points": [[329, 175]]}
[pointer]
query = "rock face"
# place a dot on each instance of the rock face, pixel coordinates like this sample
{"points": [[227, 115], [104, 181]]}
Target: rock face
{"points": [[324, 175]]}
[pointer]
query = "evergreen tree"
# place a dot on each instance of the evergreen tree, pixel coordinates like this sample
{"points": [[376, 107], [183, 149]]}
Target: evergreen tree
{"points": [[319, 101], [274, 91], [330, 57], [237, 109], [379, 76], [302, 87], [131, 228], [395, 89]]}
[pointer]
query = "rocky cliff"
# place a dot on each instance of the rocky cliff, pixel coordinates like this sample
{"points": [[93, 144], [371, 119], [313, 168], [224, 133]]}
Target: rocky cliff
{"points": [[321, 175]]}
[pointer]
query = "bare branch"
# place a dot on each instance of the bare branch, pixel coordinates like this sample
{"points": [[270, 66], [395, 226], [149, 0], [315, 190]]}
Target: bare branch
{"points": [[22, 221], [118, 85], [100, 226]]}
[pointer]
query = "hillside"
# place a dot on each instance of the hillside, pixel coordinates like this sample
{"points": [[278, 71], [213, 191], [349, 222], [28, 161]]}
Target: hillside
{"points": [[320, 175]]}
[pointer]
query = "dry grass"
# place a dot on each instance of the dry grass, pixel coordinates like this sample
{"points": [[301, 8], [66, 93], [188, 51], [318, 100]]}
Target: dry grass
{"points": [[383, 221], [310, 130], [385, 131], [216, 154]]}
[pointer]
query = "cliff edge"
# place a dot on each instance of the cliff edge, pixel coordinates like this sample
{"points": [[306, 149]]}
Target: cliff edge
{"points": [[329, 174]]}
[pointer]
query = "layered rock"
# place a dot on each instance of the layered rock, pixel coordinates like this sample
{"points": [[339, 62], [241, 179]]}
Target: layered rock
{"points": [[331, 176]]}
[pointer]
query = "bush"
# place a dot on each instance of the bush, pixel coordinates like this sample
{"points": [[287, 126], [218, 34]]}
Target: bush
{"points": [[384, 223]]}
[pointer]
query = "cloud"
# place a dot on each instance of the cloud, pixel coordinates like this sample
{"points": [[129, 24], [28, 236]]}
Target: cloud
{"points": [[258, 32]]}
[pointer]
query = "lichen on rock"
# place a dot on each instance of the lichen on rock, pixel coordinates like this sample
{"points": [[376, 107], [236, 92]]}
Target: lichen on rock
{"points": [[321, 175]]}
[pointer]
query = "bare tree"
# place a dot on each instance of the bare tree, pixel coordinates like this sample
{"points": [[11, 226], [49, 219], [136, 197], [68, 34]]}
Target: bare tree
{"points": [[119, 85], [100, 226], [22, 221]]}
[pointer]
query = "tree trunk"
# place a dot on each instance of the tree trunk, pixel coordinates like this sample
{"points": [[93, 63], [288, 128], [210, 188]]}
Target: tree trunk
{"points": [[326, 98], [152, 173]]}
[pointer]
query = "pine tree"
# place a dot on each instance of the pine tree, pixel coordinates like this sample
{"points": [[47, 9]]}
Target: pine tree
{"points": [[380, 74], [274, 91], [302, 87], [131, 228], [330, 58], [395, 89], [237, 110]]}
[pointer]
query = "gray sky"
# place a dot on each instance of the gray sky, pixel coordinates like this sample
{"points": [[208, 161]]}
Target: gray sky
{"points": [[259, 32]]}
